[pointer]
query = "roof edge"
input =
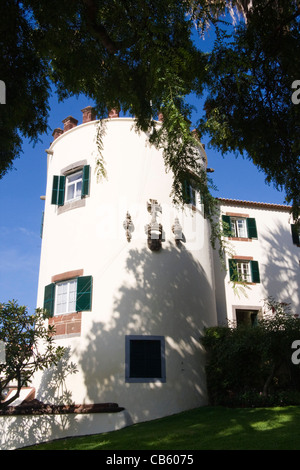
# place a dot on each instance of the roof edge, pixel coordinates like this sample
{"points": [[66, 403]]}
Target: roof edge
{"points": [[265, 205]]}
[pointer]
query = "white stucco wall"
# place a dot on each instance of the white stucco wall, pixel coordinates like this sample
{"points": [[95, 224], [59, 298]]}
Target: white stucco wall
{"points": [[26, 430], [169, 293], [276, 254]]}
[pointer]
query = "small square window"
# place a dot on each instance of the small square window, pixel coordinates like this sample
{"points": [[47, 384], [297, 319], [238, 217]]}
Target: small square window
{"points": [[145, 359], [73, 186]]}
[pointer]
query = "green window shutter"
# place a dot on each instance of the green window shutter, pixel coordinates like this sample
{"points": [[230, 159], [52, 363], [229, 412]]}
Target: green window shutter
{"points": [[61, 191], [58, 190], [84, 293], [295, 234], [233, 270], [55, 189], [186, 192], [49, 296], [226, 225], [85, 180], [255, 272], [251, 227]]}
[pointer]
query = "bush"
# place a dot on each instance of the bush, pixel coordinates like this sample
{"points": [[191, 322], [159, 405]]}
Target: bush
{"points": [[252, 366]]}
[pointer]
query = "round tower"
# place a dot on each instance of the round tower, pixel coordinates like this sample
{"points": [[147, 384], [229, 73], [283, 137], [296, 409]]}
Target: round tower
{"points": [[127, 277]]}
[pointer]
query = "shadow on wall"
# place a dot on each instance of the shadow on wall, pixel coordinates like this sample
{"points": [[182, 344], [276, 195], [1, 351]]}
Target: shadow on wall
{"points": [[22, 431], [32, 427], [166, 293], [281, 273]]}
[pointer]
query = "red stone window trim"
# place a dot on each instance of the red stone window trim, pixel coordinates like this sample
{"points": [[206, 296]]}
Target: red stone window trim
{"points": [[67, 275], [68, 324], [240, 239], [235, 214]]}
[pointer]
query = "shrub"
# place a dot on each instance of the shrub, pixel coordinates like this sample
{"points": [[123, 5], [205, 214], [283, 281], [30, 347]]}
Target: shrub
{"points": [[252, 365]]}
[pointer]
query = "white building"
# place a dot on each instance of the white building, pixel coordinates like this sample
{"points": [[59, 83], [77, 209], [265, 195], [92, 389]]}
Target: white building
{"points": [[263, 251], [131, 307], [131, 282]]}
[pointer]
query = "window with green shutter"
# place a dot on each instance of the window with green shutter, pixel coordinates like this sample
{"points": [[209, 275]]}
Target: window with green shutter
{"points": [[244, 271], [69, 296], [71, 187], [239, 227]]}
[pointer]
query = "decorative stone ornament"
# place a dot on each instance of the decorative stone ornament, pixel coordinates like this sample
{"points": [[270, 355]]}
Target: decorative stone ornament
{"points": [[177, 230], [154, 229], [128, 226]]}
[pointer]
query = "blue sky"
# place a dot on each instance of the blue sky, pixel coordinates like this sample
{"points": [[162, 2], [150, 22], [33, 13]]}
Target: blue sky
{"points": [[21, 207]]}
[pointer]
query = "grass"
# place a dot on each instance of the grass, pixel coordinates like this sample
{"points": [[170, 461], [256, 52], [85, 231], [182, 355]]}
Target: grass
{"points": [[207, 428]]}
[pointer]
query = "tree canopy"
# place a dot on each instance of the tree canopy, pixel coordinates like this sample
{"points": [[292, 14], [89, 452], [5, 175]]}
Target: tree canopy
{"points": [[145, 57]]}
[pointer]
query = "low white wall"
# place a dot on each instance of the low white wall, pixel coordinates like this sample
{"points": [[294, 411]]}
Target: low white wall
{"points": [[25, 430]]}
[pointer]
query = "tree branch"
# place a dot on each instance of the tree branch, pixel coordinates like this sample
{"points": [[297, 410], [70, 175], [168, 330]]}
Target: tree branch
{"points": [[98, 30]]}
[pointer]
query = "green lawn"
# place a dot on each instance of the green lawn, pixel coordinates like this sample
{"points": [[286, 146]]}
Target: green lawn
{"points": [[207, 428]]}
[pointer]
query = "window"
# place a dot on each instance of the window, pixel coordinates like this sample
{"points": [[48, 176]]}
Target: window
{"points": [[190, 194], [239, 227], [65, 297], [247, 317], [74, 186], [145, 359], [73, 295], [68, 188], [244, 271], [295, 234]]}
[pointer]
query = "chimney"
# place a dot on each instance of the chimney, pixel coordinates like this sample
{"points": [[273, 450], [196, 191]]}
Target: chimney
{"points": [[57, 132], [196, 134], [113, 113], [88, 114], [69, 122]]}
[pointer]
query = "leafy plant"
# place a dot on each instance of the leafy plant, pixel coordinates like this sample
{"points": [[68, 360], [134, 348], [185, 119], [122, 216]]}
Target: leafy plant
{"points": [[253, 361], [28, 347]]}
